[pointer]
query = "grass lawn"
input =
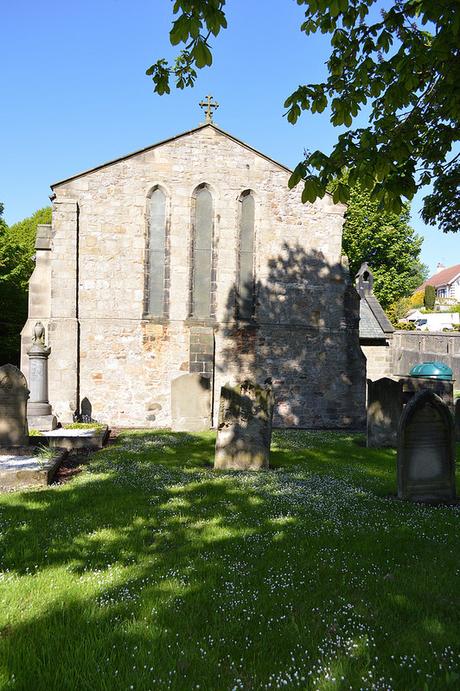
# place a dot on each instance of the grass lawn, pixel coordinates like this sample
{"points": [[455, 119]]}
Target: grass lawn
{"points": [[149, 570]]}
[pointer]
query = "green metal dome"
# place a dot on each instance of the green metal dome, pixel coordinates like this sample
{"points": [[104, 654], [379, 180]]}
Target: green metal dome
{"points": [[432, 370]]}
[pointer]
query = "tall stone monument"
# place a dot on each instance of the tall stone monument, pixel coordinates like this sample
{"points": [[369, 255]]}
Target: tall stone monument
{"points": [[426, 450], [39, 409], [13, 407], [384, 408], [245, 427]]}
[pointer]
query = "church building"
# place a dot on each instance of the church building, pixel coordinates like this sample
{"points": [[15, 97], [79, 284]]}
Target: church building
{"points": [[175, 269]]}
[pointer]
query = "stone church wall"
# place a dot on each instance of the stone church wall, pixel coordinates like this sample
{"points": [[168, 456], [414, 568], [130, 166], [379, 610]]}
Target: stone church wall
{"points": [[305, 332]]}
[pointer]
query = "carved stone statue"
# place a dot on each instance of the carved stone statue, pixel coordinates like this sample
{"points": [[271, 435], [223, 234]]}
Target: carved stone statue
{"points": [[39, 333]]}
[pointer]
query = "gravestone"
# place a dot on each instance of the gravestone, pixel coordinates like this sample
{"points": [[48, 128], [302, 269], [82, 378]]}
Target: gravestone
{"points": [[13, 407], [426, 450], [191, 403], [245, 427], [384, 408]]}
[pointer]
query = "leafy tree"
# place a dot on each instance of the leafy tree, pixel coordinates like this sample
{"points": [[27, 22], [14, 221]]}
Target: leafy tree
{"points": [[16, 265], [398, 310], [403, 66], [386, 242], [24, 231], [429, 298]]}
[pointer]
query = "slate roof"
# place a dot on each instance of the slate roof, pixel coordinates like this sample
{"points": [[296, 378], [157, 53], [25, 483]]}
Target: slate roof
{"points": [[442, 278], [373, 322]]}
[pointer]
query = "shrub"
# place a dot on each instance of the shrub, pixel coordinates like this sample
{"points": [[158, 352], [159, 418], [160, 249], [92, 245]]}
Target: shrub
{"points": [[405, 326], [417, 299], [429, 297]]}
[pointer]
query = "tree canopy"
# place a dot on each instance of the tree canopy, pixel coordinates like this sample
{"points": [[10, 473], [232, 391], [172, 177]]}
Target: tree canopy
{"points": [[403, 67], [16, 265], [387, 243]]}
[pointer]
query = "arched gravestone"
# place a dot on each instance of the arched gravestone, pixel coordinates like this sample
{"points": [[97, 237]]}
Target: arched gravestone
{"points": [[13, 407], [426, 450]]}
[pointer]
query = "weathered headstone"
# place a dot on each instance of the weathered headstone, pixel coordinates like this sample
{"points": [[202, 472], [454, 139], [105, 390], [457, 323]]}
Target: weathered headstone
{"points": [[245, 427], [13, 407], [426, 450], [191, 403], [384, 408], [39, 413]]}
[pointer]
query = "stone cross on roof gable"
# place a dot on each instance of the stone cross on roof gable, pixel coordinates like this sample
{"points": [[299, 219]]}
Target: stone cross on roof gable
{"points": [[209, 105]]}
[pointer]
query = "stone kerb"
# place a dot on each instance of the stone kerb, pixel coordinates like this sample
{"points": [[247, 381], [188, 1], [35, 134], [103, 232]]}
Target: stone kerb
{"points": [[244, 427], [13, 407], [426, 450]]}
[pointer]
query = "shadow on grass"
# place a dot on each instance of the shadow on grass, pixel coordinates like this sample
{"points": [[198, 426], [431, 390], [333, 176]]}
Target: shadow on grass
{"points": [[154, 572]]}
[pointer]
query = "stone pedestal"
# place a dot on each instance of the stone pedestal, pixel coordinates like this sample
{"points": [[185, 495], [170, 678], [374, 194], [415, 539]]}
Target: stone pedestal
{"points": [[245, 427], [39, 413], [443, 388]]}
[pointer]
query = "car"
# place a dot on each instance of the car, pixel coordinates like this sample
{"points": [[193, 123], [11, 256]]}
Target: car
{"points": [[421, 324]]}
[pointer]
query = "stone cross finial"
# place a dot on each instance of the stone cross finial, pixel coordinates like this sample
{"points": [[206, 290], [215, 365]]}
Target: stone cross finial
{"points": [[209, 105]]}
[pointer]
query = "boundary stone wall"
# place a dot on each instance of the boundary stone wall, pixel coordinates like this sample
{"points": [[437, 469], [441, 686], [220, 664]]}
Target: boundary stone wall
{"points": [[411, 347]]}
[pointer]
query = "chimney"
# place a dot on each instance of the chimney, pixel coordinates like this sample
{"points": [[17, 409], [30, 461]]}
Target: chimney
{"points": [[439, 267]]}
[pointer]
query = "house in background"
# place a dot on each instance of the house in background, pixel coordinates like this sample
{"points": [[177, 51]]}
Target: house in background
{"points": [[445, 281]]}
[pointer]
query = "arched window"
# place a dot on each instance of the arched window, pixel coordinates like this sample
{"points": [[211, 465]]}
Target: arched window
{"points": [[157, 254], [203, 279], [245, 285]]}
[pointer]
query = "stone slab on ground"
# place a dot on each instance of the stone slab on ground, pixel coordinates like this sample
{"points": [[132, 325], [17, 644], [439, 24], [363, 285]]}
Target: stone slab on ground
{"points": [[21, 467], [74, 439]]}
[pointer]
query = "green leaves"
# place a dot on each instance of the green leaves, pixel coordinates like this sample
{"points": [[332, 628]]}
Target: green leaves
{"points": [[195, 17], [385, 240], [201, 54], [297, 175], [402, 64], [313, 188]]}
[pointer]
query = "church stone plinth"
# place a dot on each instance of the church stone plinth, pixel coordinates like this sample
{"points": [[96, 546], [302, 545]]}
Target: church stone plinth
{"points": [[39, 409]]}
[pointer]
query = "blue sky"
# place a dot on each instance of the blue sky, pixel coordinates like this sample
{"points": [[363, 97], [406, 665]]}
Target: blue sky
{"points": [[74, 92]]}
